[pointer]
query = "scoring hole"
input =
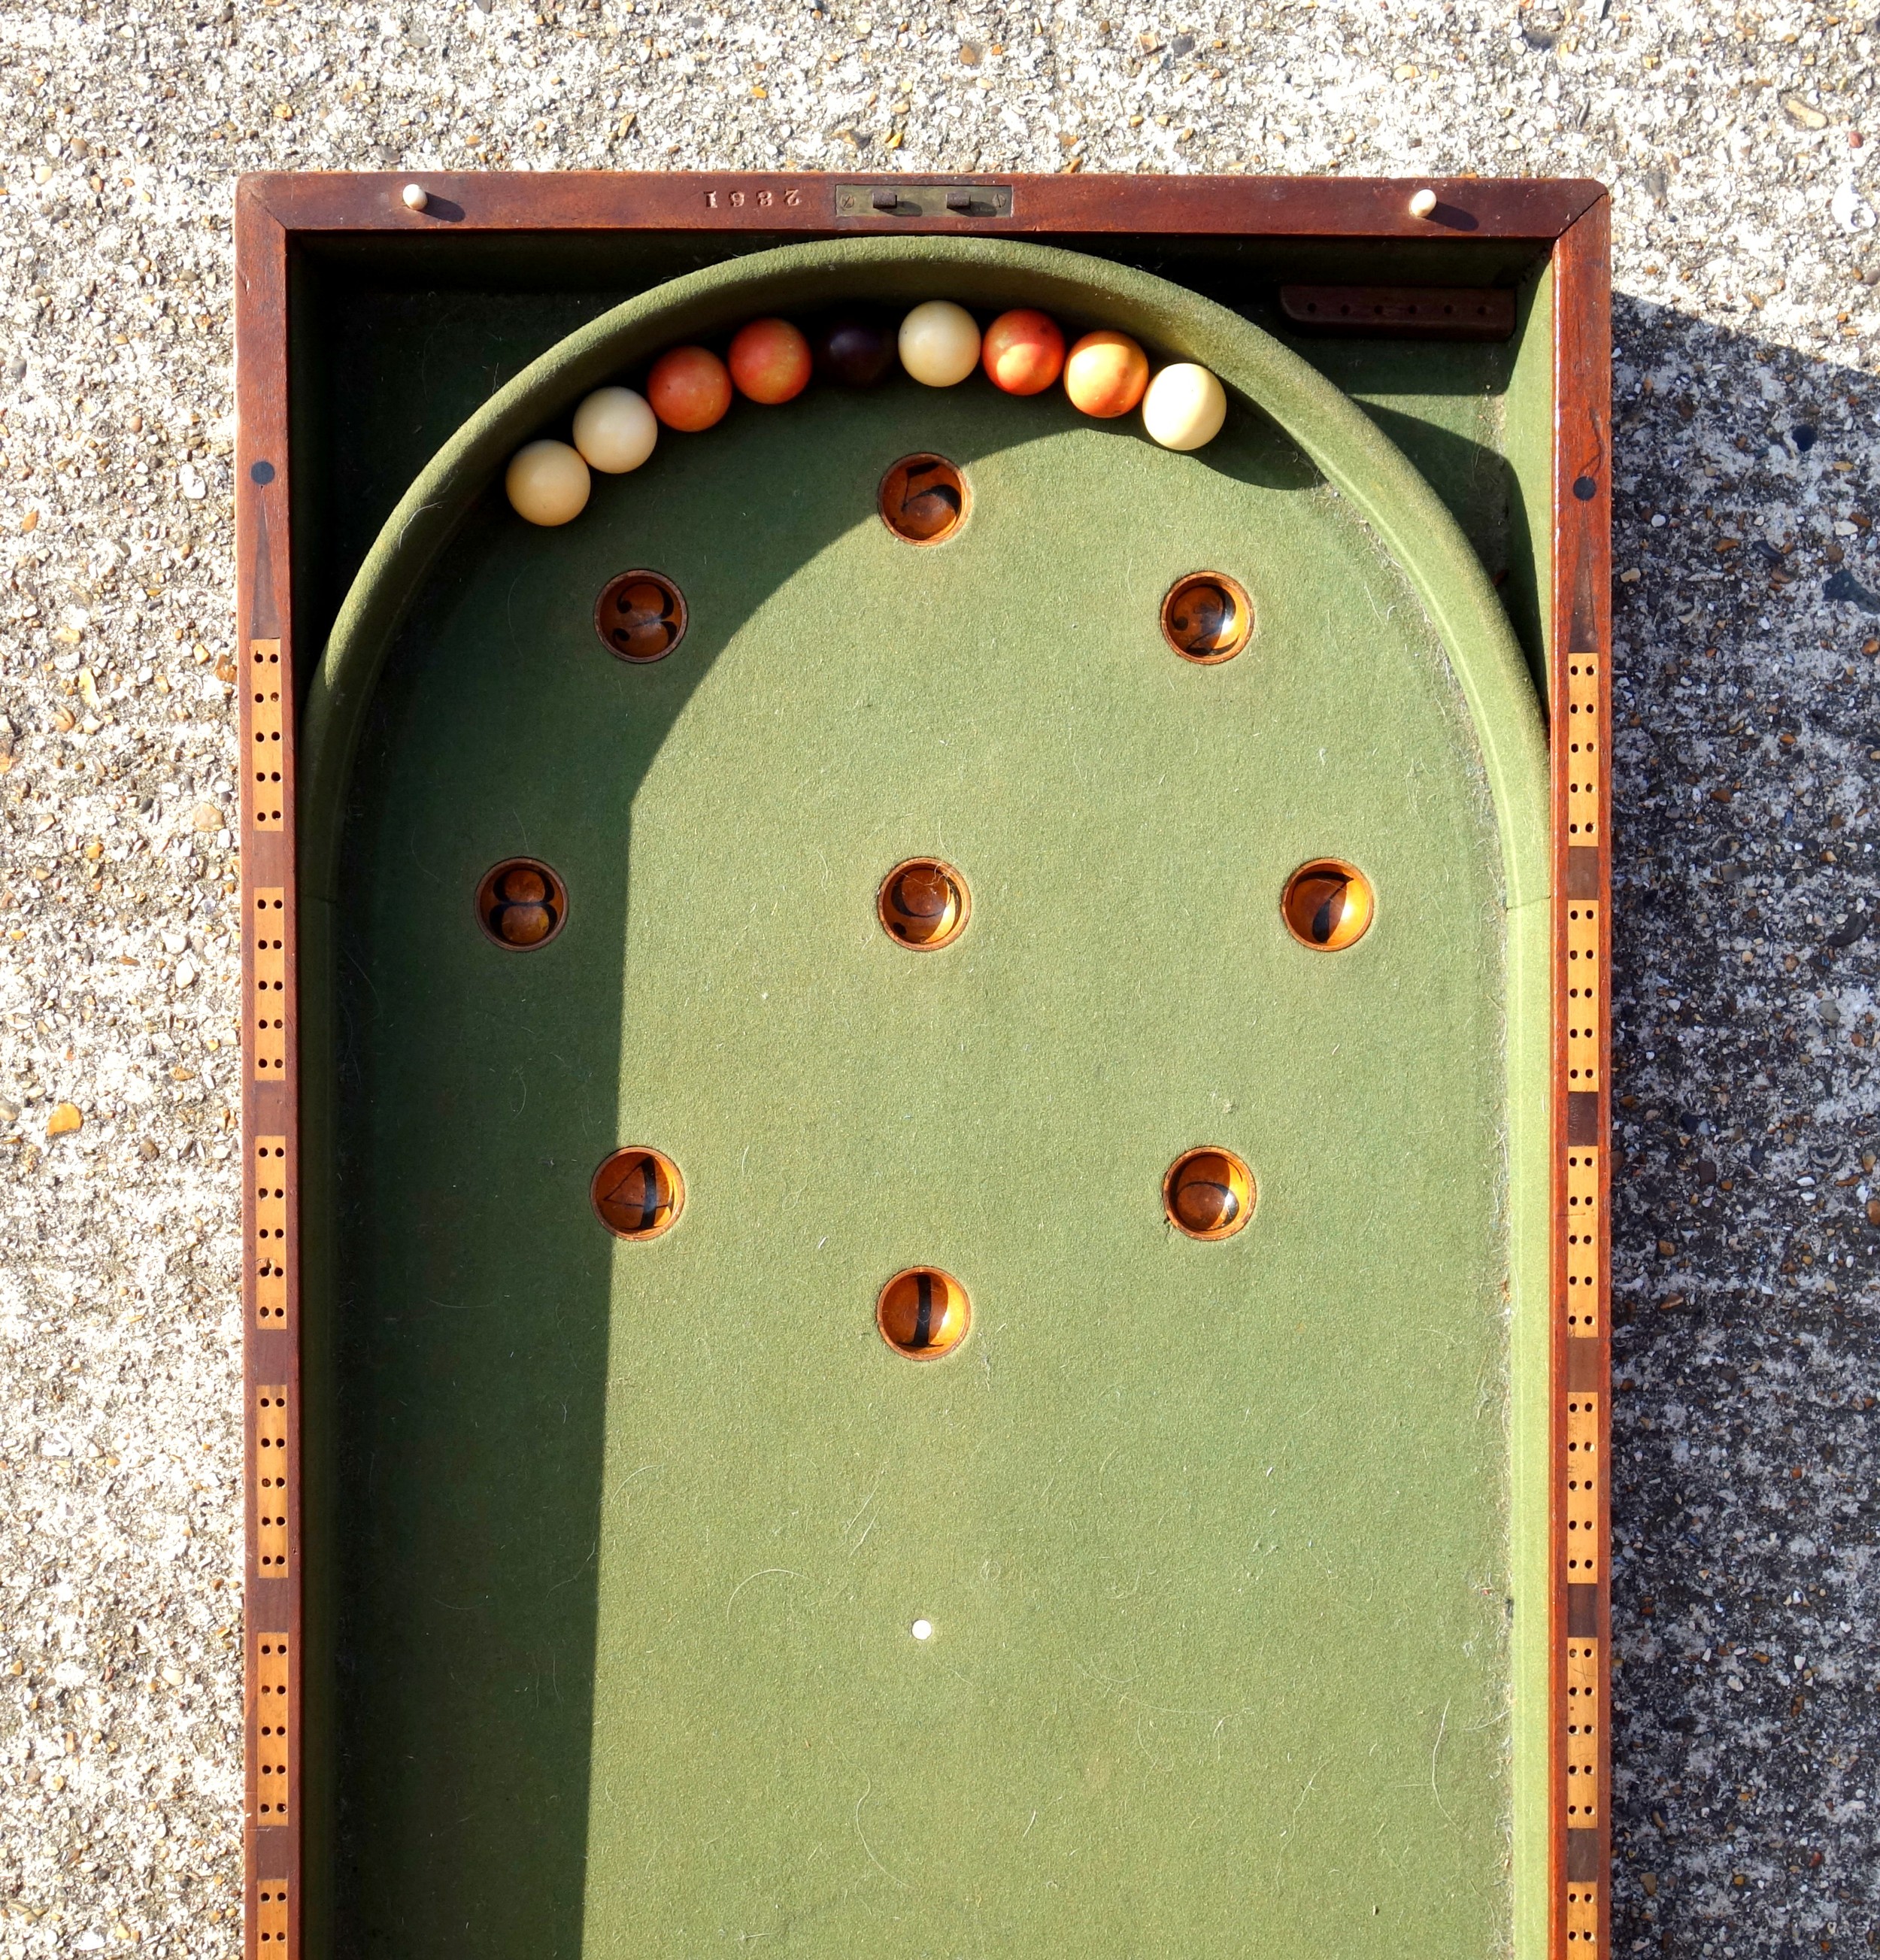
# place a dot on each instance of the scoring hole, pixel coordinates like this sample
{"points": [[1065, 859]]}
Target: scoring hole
{"points": [[1207, 618], [521, 904], [1208, 1193], [923, 1313], [1327, 904], [641, 617]]}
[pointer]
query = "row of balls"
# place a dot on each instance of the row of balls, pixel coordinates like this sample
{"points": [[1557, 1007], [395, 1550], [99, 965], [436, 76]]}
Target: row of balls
{"points": [[1104, 374]]}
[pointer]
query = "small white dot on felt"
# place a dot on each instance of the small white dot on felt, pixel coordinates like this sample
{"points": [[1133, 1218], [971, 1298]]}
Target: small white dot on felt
{"points": [[922, 1629]]}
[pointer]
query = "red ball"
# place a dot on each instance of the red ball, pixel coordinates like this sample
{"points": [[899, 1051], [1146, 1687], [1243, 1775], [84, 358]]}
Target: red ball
{"points": [[688, 388], [770, 362], [1023, 351]]}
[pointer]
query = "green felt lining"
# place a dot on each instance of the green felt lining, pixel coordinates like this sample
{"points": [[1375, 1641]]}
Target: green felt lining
{"points": [[1363, 467]]}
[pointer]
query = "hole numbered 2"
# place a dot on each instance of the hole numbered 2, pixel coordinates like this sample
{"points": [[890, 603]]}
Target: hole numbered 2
{"points": [[1207, 618]]}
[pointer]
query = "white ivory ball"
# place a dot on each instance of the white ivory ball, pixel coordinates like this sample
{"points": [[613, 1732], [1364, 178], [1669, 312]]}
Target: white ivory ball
{"points": [[939, 343], [548, 482], [1185, 407], [615, 430]]}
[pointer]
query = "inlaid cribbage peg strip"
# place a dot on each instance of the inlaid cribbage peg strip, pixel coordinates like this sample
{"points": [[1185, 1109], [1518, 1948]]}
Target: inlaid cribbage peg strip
{"points": [[1579, 709], [270, 1142]]}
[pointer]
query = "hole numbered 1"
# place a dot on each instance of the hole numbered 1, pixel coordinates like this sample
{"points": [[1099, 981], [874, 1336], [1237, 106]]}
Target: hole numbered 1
{"points": [[1328, 904], [923, 1313], [637, 1192], [1208, 1193], [1207, 618], [922, 904], [641, 617], [521, 904], [924, 499]]}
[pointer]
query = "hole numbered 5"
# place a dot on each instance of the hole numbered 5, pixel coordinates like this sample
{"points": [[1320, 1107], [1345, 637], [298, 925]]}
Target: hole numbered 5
{"points": [[924, 499]]}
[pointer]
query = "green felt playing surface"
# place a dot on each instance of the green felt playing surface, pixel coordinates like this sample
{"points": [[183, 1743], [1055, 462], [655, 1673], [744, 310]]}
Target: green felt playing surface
{"points": [[1226, 1547]]}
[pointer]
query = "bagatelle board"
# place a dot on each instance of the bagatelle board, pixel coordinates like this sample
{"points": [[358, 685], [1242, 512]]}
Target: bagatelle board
{"points": [[936, 1123]]}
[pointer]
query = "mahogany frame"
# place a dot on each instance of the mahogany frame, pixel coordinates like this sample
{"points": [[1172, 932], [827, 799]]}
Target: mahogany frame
{"points": [[1570, 221]]}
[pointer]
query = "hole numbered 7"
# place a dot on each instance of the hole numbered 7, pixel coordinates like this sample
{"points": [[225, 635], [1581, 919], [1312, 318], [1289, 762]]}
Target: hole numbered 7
{"points": [[923, 1313], [1327, 904]]}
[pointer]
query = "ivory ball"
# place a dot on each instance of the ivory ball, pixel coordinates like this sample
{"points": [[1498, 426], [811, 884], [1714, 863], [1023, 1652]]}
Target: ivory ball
{"points": [[548, 482], [939, 343], [615, 430], [1185, 407]]}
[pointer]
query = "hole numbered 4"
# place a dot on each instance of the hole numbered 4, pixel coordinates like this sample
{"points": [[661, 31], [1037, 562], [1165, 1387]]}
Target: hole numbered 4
{"points": [[637, 1192], [521, 904], [1328, 904], [1208, 1193], [1207, 618], [641, 617], [923, 1313], [924, 499], [922, 904]]}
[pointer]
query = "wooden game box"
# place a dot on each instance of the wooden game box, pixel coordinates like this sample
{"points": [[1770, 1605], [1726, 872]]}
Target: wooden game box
{"points": [[641, 1592]]}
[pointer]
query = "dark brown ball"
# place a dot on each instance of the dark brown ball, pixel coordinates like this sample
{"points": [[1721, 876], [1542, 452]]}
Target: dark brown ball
{"points": [[855, 350]]}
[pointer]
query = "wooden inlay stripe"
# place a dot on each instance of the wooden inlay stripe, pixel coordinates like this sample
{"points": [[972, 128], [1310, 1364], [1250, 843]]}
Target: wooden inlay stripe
{"points": [[1583, 995], [267, 750], [271, 1919], [267, 925], [1582, 1244], [269, 1164], [272, 1701], [1582, 748], [1582, 1488], [270, 1481]]}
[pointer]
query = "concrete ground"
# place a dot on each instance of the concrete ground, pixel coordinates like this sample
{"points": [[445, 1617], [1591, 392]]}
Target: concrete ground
{"points": [[1748, 1740]]}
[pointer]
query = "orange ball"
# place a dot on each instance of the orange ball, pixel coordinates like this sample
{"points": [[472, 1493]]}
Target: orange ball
{"points": [[1023, 351], [770, 362], [1106, 374], [688, 388]]}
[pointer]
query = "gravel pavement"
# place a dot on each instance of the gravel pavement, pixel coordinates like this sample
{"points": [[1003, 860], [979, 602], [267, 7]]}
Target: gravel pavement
{"points": [[1747, 1227]]}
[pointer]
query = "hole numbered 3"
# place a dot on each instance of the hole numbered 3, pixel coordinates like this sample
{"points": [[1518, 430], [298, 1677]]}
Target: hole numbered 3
{"points": [[641, 617]]}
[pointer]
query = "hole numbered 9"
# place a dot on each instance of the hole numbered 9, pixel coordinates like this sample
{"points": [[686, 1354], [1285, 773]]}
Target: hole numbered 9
{"points": [[1207, 618], [922, 904], [521, 904], [924, 499], [641, 617], [1328, 904], [1208, 1193], [923, 1313], [637, 1192]]}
